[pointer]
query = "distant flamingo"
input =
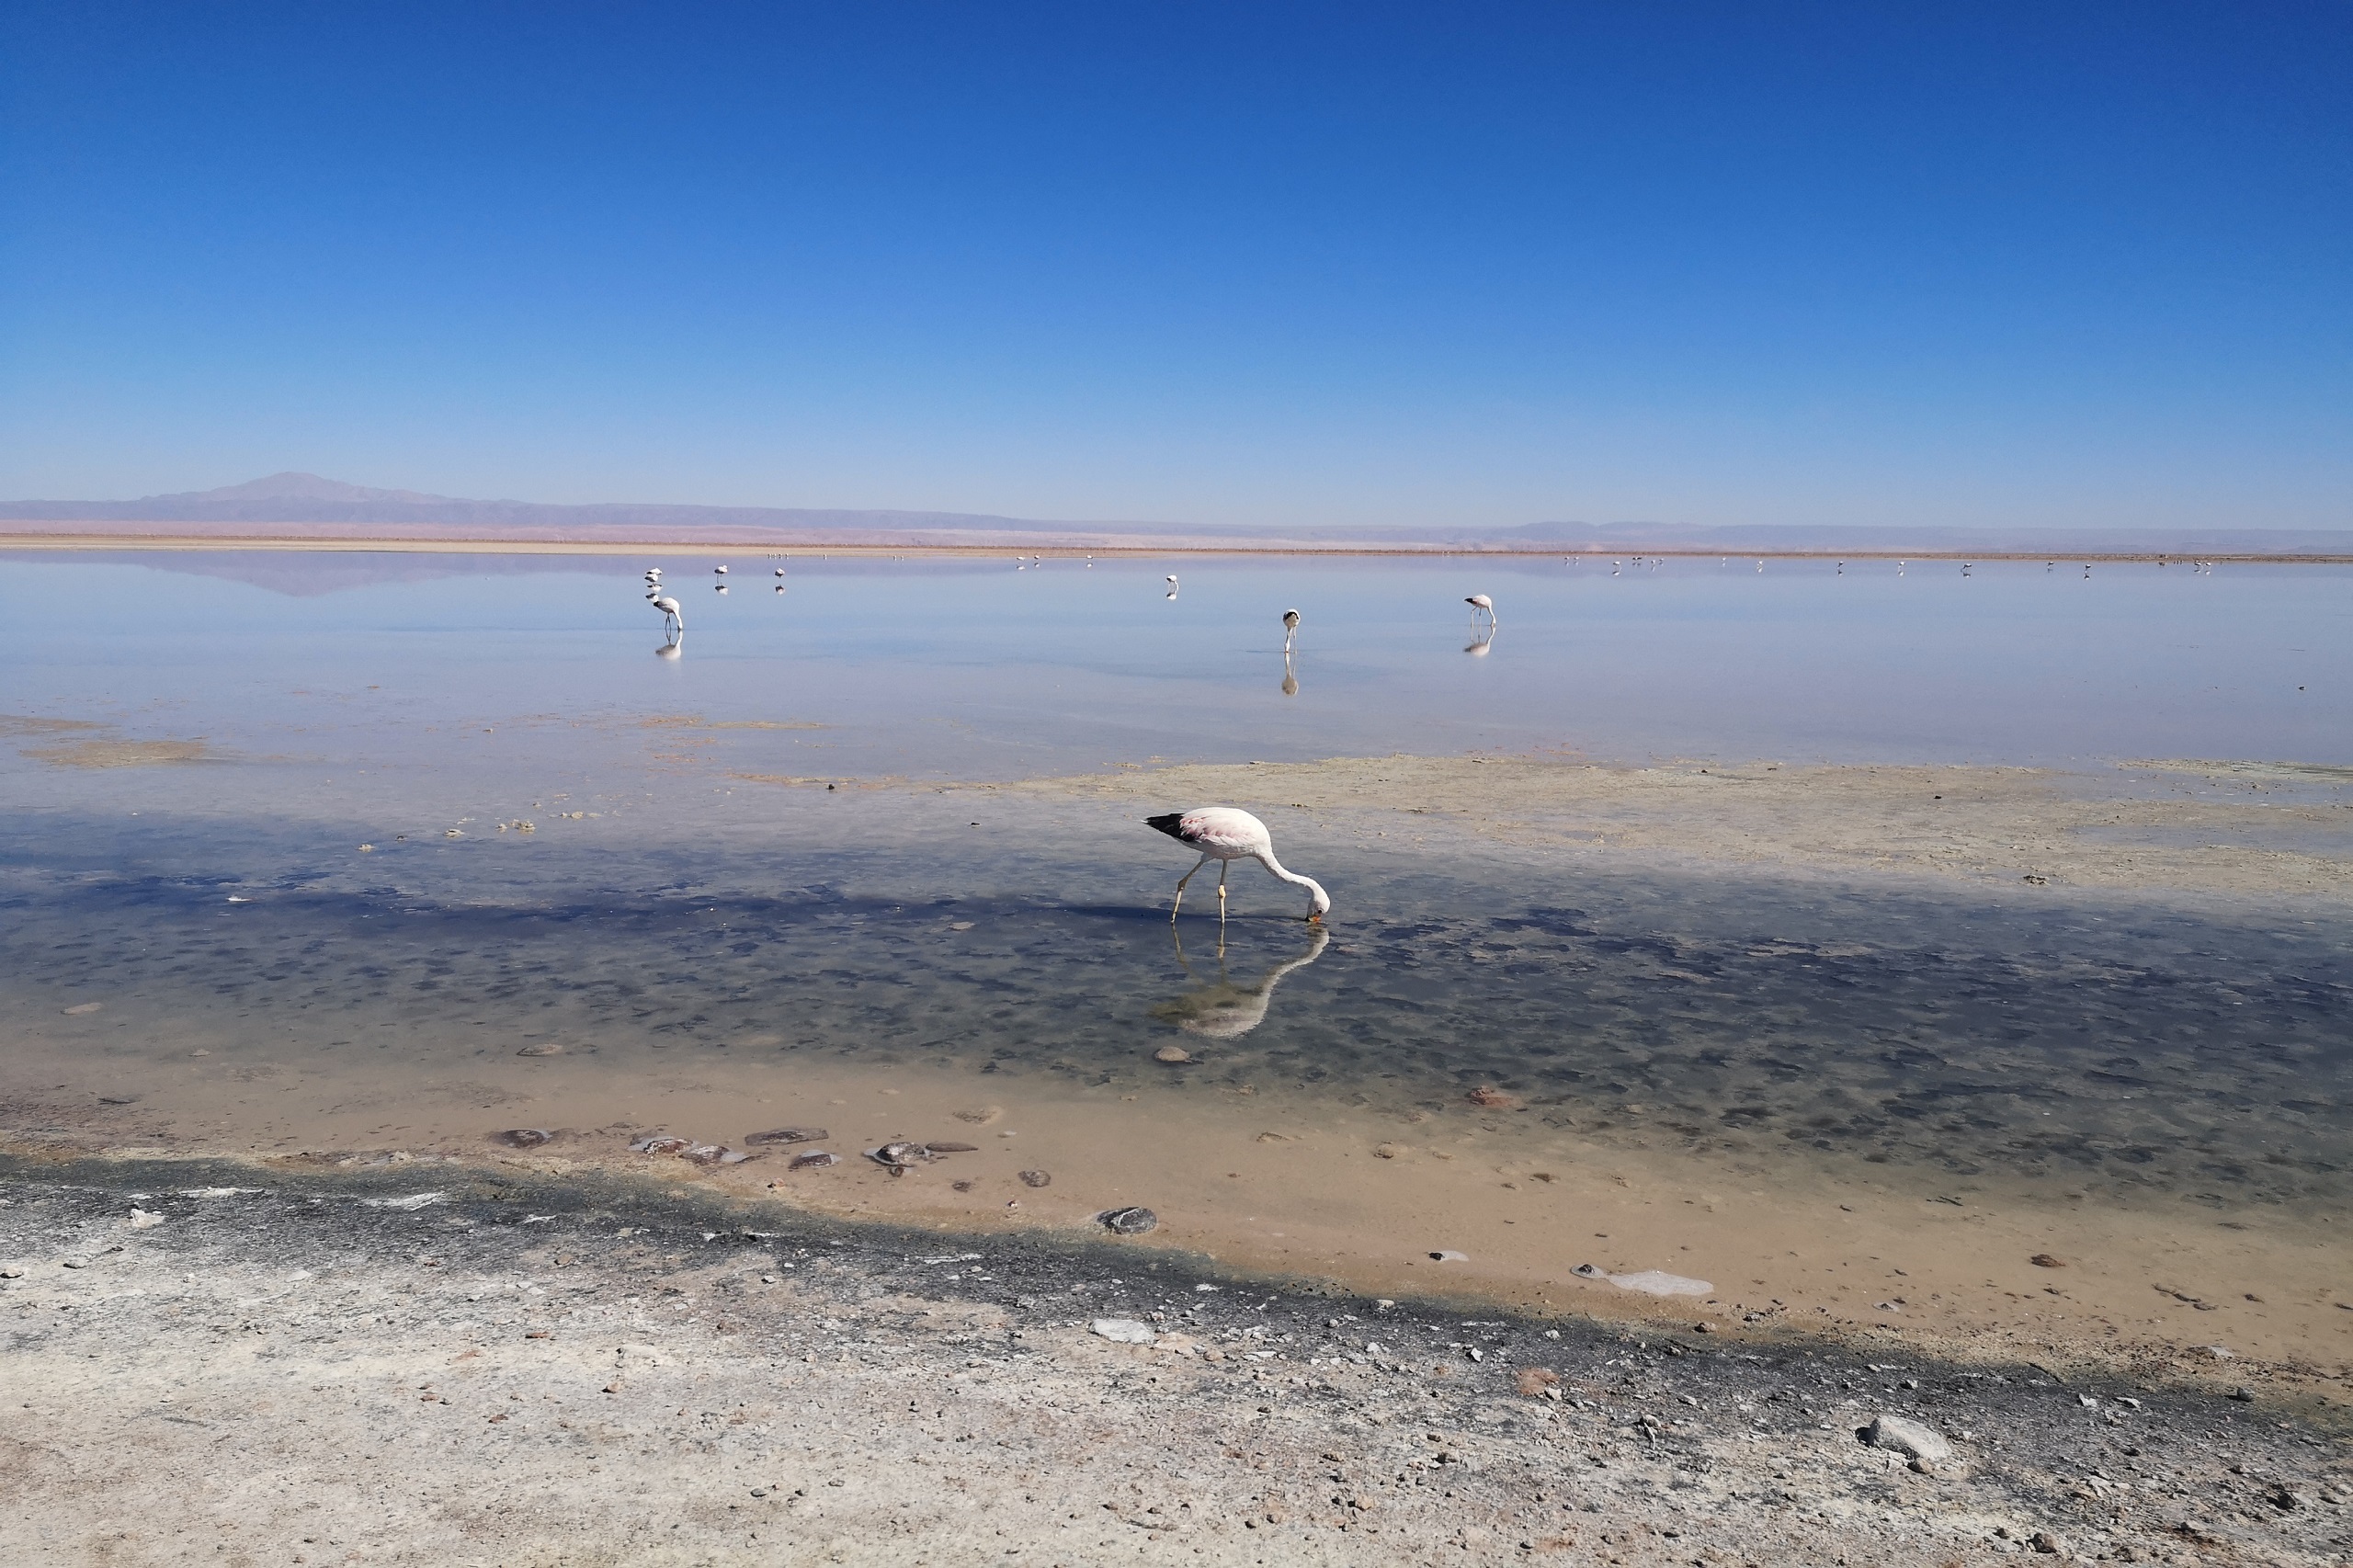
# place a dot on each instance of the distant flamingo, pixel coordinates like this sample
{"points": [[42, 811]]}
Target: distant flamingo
{"points": [[1290, 628], [1225, 834], [1482, 602], [671, 619]]}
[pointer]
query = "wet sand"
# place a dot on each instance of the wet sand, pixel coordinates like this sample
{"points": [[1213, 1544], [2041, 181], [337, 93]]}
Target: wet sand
{"points": [[420, 1364], [1279, 1184]]}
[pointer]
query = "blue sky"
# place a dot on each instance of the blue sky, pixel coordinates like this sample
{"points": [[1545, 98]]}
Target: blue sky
{"points": [[2080, 265]]}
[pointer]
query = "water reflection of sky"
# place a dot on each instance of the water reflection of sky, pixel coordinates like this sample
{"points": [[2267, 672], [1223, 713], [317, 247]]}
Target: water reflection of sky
{"points": [[966, 668]]}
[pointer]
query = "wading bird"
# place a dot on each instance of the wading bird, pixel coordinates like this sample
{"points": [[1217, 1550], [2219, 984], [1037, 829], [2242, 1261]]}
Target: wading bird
{"points": [[1290, 628], [1482, 602], [718, 571], [1225, 834], [669, 609]]}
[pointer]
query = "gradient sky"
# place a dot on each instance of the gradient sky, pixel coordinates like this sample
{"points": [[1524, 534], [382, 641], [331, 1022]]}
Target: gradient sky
{"points": [[1478, 264]]}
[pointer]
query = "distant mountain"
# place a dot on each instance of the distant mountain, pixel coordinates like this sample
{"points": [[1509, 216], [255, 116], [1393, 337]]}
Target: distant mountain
{"points": [[290, 487], [305, 505]]}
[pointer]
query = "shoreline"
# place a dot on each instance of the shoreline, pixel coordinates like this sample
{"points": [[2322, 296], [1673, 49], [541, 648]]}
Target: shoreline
{"points": [[588, 1371], [495, 546]]}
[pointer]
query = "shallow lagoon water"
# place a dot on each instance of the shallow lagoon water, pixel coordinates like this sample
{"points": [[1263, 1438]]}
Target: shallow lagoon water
{"points": [[966, 669], [667, 910]]}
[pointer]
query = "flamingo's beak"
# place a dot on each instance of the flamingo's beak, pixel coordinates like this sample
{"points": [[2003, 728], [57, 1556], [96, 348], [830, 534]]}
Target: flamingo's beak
{"points": [[1315, 920]]}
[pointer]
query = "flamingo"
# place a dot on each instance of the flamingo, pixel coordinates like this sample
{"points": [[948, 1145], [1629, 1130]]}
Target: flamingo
{"points": [[670, 616], [1290, 628], [718, 571], [1226, 834], [1482, 602]]}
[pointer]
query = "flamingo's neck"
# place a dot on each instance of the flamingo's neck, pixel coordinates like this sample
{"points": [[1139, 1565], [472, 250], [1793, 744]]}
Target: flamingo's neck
{"points": [[1320, 900]]}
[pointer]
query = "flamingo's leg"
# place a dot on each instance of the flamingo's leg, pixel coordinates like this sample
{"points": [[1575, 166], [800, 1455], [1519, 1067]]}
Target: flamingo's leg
{"points": [[1223, 866], [1180, 888]]}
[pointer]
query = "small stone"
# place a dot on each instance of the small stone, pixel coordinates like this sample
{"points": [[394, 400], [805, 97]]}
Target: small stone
{"points": [[1175, 1055], [81, 1008], [980, 1116], [951, 1148], [540, 1050], [1535, 1381], [2048, 1544], [2046, 1260], [660, 1143], [1129, 1221], [814, 1160], [1905, 1436], [1386, 1150], [964, 1186], [521, 1137], [1448, 1255], [1036, 1179], [1490, 1097], [1124, 1331], [2244, 1395]]}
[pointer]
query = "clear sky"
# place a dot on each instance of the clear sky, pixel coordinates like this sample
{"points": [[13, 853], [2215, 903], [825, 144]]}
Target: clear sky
{"points": [[2080, 263]]}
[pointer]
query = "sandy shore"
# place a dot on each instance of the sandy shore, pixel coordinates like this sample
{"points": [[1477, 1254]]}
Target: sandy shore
{"points": [[69, 536], [374, 1367], [2183, 826]]}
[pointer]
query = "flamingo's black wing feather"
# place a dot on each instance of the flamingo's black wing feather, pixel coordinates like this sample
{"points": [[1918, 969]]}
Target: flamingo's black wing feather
{"points": [[1170, 824]]}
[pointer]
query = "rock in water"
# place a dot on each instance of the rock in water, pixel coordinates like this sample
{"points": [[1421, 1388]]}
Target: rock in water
{"points": [[788, 1135], [540, 1050], [660, 1143], [1036, 1179], [523, 1137], [1175, 1055], [1126, 1331], [814, 1160], [951, 1148], [1129, 1221], [1905, 1436]]}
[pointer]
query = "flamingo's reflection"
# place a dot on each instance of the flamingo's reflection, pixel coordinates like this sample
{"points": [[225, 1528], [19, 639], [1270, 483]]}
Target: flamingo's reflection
{"points": [[672, 645], [1479, 641], [1290, 676], [1223, 1010]]}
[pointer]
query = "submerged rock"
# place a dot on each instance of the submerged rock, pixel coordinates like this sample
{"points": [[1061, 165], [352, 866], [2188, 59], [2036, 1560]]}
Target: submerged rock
{"points": [[1649, 1281], [1129, 1221], [1036, 1179], [787, 1135], [813, 1160], [522, 1137]]}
